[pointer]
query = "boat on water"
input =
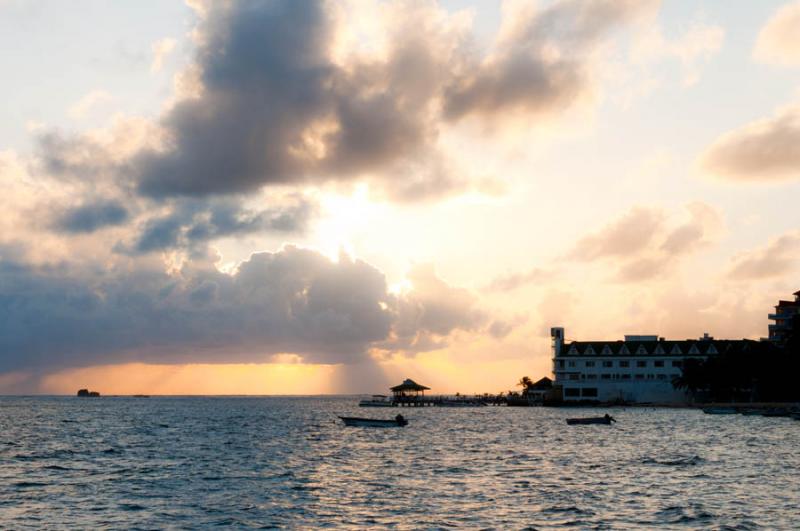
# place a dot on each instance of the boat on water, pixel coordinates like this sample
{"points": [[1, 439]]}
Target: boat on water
{"points": [[397, 422], [606, 419], [377, 401], [720, 410]]}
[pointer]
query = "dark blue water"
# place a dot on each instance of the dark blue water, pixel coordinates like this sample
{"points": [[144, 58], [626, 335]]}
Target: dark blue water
{"points": [[126, 463]]}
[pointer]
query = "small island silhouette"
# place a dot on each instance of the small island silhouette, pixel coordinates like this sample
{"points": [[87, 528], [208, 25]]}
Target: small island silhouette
{"points": [[87, 393]]}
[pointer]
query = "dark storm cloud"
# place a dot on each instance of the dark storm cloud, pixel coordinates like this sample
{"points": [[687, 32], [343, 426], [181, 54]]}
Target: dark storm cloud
{"points": [[273, 107], [91, 217], [72, 157], [291, 301], [193, 223]]}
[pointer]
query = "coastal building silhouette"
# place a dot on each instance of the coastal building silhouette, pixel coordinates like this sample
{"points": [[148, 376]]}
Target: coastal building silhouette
{"points": [[638, 369], [785, 311]]}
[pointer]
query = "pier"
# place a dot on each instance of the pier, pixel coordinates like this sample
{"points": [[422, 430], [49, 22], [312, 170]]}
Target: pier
{"points": [[411, 394]]}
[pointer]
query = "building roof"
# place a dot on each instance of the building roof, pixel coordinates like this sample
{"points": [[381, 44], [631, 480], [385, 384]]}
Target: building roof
{"points": [[544, 383], [409, 385], [687, 347]]}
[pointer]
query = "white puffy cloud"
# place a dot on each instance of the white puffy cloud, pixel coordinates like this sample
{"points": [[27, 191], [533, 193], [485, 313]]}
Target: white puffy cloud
{"points": [[765, 150], [777, 41]]}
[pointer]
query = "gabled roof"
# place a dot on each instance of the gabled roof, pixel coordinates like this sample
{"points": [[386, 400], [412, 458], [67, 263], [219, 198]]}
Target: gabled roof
{"points": [[544, 383], [409, 385], [684, 347]]}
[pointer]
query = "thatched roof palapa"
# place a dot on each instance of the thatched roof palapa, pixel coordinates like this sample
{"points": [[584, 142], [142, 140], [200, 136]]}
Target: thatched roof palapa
{"points": [[409, 385]]}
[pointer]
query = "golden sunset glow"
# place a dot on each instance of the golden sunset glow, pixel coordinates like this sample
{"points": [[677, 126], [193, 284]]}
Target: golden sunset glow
{"points": [[389, 190]]}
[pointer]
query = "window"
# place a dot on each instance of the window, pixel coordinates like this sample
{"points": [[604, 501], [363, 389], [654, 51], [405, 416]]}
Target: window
{"points": [[590, 364], [606, 376], [573, 376], [651, 376], [572, 391], [658, 363], [662, 376], [677, 363], [560, 364], [641, 364], [570, 364], [591, 377], [590, 392], [624, 363], [640, 376], [626, 376], [608, 364]]}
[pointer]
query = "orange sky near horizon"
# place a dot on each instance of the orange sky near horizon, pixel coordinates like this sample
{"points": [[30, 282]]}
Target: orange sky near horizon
{"points": [[439, 373]]}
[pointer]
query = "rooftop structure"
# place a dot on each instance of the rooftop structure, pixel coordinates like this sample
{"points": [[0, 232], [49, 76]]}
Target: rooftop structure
{"points": [[409, 388], [784, 313]]}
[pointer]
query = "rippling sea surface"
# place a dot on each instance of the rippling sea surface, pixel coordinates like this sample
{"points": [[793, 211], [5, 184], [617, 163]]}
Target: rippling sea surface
{"points": [[131, 463]]}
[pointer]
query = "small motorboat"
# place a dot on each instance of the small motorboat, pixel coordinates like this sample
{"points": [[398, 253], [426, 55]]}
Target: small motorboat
{"points": [[398, 422], [377, 401], [606, 419]]}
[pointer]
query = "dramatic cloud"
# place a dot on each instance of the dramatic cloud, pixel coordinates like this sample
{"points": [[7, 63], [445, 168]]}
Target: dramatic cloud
{"points": [[779, 257], [192, 223], [431, 311], [644, 244], [294, 301], [91, 217], [777, 42], [761, 151], [283, 93]]}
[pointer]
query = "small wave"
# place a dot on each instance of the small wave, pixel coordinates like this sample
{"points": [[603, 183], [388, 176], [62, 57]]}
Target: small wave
{"points": [[55, 467], [132, 507], [677, 514], [56, 454], [570, 510], [680, 461], [29, 484]]}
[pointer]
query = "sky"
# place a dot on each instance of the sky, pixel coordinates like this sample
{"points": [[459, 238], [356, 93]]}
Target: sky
{"points": [[296, 197]]}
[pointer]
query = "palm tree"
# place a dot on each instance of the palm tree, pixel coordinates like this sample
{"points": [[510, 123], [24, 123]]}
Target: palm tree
{"points": [[526, 383]]}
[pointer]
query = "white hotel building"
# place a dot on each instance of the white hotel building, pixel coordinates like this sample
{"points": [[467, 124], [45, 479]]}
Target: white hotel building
{"points": [[636, 370]]}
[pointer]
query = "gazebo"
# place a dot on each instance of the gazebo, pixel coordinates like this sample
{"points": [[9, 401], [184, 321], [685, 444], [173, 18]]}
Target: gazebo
{"points": [[408, 389]]}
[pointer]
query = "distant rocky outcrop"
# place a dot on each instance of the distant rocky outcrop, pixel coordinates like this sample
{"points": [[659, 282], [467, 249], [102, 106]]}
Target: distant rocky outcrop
{"points": [[87, 393]]}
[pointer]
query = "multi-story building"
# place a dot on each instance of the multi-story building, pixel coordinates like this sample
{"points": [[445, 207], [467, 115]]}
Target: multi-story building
{"points": [[638, 369], [784, 313]]}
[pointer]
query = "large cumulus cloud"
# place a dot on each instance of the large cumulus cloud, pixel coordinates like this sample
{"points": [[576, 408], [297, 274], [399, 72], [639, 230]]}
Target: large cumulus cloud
{"points": [[293, 301], [275, 100]]}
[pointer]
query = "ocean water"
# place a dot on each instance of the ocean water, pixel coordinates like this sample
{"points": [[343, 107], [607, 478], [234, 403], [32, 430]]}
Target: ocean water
{"points": [[127, 463]]}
